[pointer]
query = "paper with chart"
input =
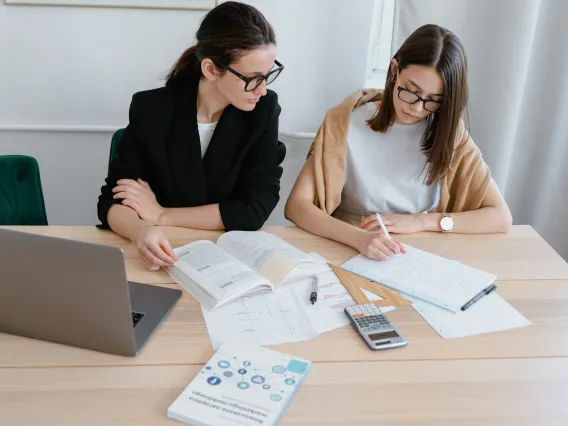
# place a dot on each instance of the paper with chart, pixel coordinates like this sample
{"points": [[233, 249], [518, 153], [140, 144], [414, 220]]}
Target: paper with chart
{"points": [[282, 316], [490, 313], [446, 283], [265, 319]]}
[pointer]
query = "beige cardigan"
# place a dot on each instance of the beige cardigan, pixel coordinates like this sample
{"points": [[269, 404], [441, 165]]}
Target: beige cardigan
{"points": [[462, 189]]}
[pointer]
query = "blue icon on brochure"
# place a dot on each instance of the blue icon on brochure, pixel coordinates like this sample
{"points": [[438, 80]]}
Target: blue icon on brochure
{"points": [[259, 380], [208, 367], [246, 363], [290, 381], [266, 387], [242, 371], [224, 364], [278, 369], [275, 397], [228, 374], [243, 385], [213, 380]]}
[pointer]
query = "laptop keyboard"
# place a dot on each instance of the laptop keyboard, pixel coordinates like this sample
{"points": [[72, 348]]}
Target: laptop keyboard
{"points": [[136, 317]]}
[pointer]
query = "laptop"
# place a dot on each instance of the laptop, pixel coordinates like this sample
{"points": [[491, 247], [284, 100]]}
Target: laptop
{"points": [[76, 294]]}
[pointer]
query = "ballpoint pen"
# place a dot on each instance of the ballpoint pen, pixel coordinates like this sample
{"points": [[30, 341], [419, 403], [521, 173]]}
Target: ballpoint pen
{"points": [[314, 294]]}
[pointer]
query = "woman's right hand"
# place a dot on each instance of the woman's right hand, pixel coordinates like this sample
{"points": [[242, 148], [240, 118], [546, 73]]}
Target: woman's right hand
{"points": [[155, 249], [376, 245]]}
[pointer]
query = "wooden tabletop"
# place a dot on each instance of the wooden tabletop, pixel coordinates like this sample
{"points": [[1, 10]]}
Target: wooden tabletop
{"points": [[515, 377]]}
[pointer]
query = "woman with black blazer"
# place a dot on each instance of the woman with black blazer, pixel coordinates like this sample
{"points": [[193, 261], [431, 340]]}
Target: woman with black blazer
{"points": [[203, 151]]}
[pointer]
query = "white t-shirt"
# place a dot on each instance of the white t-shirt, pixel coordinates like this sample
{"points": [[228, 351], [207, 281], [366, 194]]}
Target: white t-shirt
{"points": [[385, 172], [206, 131]]}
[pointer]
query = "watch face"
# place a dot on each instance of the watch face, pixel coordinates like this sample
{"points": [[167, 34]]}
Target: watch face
{"points": [[447, 223]]}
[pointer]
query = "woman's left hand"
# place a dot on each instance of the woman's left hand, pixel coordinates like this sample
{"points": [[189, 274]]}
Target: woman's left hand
{"points": [[395, 223], [138, 195]]}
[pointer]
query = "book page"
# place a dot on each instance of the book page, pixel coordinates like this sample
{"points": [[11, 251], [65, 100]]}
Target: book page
{"points": [[272, 257], [443, 282], [216, 271]]}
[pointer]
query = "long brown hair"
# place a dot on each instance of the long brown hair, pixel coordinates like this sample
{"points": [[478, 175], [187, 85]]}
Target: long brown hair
{"points": [[434, 46], [226, 32]]}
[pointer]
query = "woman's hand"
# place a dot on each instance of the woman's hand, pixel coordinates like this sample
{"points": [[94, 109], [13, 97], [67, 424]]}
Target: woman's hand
{"points": [[155, 249], [376, 245], [138, 195], [395, 223]]}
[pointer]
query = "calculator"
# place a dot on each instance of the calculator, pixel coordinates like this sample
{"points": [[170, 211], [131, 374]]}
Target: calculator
{"points": [[374, 326]]}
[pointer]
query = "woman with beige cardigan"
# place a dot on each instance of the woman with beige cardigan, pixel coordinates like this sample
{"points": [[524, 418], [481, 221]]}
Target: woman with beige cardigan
{"points": [[404, 153]]}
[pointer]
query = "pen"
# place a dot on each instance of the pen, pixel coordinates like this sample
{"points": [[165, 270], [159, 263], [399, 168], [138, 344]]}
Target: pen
{"points": [[484, 292], [384, 228], [382, 225], [314, 294]]}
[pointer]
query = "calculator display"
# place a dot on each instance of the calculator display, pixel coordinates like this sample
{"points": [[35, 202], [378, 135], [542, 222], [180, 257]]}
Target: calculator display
{"points": [[381, 336]]}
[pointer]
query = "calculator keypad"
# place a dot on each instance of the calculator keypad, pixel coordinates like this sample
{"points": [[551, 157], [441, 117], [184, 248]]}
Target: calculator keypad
{"points": [[368, 316]]}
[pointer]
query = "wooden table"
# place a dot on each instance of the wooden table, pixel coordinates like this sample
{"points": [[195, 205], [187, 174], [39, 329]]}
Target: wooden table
{"points": [[516, 377]]}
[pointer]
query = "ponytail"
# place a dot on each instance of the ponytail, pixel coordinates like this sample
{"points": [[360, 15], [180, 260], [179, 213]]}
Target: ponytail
{"points": [[188, 66], [225, 33]]}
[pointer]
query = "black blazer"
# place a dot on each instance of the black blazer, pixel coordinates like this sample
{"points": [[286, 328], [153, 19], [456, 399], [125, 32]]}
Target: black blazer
{"points": [[240, 170]]}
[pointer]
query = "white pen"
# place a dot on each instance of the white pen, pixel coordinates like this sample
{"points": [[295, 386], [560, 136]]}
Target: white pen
{"points": [[382, 225], [384, 228]]}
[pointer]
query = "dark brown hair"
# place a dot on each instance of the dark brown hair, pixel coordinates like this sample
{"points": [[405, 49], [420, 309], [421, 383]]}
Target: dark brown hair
{"points": [[226, 32], [437, 47]]}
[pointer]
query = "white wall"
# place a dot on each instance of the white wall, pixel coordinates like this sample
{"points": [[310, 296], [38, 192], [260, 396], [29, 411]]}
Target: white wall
{"points": [[64, 67]]}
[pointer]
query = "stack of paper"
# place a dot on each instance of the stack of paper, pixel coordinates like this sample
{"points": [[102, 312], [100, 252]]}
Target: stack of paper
{"points": [[438, 288], [446, 283]]}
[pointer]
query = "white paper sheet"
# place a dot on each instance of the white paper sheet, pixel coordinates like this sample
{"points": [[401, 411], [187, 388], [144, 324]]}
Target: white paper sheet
{"points": [[283, 316], [264, 319], [491, 313], [328, 312]]}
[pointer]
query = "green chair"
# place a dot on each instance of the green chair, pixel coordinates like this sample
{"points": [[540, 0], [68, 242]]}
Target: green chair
{"points": [[21, 194], [114, 145]]}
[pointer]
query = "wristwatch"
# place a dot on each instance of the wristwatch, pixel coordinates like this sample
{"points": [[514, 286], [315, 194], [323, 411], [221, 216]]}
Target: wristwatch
{"points": [[447, 222]]}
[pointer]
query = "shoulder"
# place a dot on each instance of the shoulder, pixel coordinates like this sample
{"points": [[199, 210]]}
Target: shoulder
{"points": [[154, 99], [153, 110], [466, 152], [353, 102], [463, 141]]}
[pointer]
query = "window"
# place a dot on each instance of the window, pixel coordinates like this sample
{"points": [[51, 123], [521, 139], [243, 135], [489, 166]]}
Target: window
{"points": [[380, 45]]}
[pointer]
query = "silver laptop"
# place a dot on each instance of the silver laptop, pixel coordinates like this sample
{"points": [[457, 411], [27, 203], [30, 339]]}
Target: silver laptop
{"points": [[76, 293]]}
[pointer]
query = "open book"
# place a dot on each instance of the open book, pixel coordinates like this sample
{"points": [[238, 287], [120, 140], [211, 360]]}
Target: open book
{"points": [[240, 263]]}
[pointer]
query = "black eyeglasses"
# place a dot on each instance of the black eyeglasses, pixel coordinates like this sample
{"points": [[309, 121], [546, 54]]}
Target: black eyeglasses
{"points": [[411, 97], [252, 83]]}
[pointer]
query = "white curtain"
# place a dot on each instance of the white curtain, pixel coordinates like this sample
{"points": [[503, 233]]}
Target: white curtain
{"points": [[518, 75]]}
